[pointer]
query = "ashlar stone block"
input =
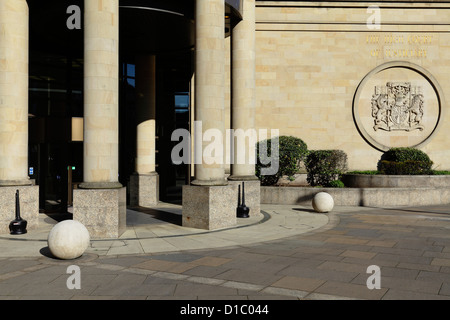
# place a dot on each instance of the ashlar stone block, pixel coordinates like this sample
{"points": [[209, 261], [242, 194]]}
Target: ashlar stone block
{"points": [[209, 207], [101, 211], [144, 190]]}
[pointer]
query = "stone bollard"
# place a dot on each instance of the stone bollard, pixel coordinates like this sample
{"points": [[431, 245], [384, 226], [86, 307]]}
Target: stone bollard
{"points": [[323, 202], [68, 239]]}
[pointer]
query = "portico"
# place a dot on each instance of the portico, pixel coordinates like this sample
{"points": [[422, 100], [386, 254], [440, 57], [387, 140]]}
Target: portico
{"points": [[100, 199]]}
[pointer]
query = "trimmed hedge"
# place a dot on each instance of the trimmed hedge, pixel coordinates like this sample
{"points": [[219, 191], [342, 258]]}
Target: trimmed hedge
{"points": [[325, 166], [292, 152], [405, 161]]}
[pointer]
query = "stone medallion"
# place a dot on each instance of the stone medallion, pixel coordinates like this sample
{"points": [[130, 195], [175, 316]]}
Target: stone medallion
{"points": [[397, 105]]}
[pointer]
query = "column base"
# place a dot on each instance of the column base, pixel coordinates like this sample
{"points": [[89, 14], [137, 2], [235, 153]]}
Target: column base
{"points": [[102, 211], [100, 185], [209, 207], [144, 189], [29, 206], [221, 182], [252, 189], [12, 183]]}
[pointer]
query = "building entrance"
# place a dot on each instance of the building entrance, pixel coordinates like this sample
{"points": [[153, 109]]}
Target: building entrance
{"points": [[56, 93], [173, 76], [173, 112]]}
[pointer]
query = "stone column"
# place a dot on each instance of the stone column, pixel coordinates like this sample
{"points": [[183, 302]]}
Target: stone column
{"points": [[100, 201], [14, 116], [144, 183], [209, 85], [14, 93], [207, 202], [101, 94], [243, 107]]}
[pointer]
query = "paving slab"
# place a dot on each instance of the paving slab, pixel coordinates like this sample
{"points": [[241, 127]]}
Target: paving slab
{"points": [[288, 253]]}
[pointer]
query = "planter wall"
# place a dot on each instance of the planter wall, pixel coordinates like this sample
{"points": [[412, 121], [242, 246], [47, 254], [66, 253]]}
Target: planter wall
{"points": [[395, 181], [370, 197]]}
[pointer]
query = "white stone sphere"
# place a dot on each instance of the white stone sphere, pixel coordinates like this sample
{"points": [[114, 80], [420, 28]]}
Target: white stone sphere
{"points": [[323, 202], [68, 239]]}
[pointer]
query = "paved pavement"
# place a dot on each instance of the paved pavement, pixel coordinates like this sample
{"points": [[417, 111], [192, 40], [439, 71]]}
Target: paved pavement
{"points": [[287, 253]]}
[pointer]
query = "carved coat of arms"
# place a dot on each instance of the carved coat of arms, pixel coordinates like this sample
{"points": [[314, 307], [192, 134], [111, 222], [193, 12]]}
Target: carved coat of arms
{"points": [[398, 106]]}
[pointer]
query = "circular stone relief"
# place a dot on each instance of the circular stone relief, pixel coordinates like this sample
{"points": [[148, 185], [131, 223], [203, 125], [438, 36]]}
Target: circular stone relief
{"points": [[397, 105]]}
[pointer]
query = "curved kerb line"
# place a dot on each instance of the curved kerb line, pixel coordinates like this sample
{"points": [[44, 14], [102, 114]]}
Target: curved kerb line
{"points": [[266, 217]]}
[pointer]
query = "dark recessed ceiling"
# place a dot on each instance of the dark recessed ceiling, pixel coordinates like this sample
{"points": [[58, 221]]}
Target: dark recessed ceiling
{"points": [[154, 30], [146, 26]]}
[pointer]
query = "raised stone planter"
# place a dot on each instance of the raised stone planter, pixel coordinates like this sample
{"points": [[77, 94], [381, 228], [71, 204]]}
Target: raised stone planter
{"points": [[395, 181], [376, 197]]}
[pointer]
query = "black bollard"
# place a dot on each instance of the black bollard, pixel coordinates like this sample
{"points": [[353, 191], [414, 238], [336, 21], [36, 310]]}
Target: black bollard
{"points": [[18, 225], [239, 196], [242, 210]]}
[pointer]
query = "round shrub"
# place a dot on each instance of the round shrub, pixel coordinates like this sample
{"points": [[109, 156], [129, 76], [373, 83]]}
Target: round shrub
{"points": [[324, 166], [292, 152], [336, 184], [405, 161], [405, 154]]}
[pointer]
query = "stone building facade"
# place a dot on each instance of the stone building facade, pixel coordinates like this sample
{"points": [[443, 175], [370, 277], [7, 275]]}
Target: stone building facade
{"points": [[321, 66], [357, 76]]}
